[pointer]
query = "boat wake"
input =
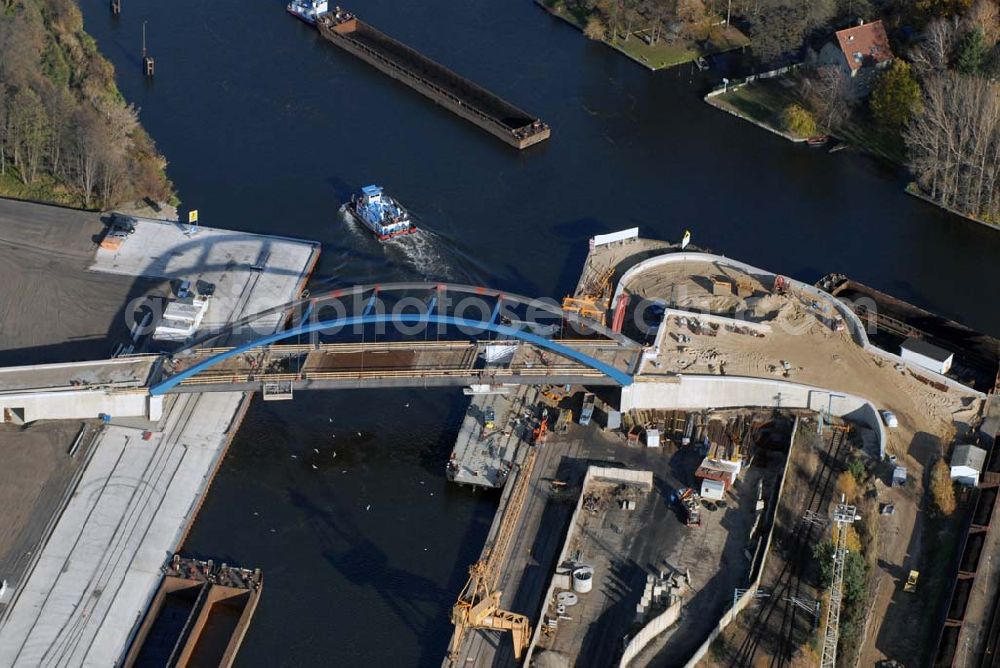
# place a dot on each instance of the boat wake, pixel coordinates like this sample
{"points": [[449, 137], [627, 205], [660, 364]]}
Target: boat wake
{"points": [[422, 251]]}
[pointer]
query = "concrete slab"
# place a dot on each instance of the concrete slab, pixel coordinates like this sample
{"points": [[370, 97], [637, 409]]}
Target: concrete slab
{"points": [[482, 457], [136, 498], [250, 272], [120, 372]]}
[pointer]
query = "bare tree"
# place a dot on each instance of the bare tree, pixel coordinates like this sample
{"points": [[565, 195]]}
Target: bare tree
{"points": [[934, 52], [985, 15], [91, 136], [954, 143], [829, 93]]}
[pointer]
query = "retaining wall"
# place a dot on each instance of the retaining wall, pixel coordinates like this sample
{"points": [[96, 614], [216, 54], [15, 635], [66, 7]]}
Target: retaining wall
{"points": [[700, 392], [655, 627], [76, 404]]}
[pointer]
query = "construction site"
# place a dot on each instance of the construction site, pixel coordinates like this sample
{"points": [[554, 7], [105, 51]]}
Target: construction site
{"points": [[846, 491], [701, 462], [628, 510]]}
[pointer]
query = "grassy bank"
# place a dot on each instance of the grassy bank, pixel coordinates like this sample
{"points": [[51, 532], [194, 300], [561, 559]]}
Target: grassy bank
{"points": [[764, 100], [708, 40]]}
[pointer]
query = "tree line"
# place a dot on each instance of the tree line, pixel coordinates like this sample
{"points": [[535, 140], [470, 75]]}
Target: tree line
{"points": [[953, 135], [65, 132]]}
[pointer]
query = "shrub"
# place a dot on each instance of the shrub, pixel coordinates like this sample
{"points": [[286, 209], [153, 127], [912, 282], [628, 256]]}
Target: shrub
{"points": [[847, 485], [896, 96], [942, 488], [857, 469], [798, 121], [595, 28], [823, 554]]}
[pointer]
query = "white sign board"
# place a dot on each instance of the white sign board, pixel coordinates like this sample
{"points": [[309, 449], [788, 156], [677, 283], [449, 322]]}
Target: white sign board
{"points": [[624, 235]]}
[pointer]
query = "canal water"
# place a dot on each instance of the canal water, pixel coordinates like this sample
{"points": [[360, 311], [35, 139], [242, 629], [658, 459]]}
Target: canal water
{"points": [[341, 497]]}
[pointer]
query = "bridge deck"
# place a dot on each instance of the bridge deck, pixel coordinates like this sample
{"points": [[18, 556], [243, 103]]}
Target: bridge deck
{"points": [[401, 363]]}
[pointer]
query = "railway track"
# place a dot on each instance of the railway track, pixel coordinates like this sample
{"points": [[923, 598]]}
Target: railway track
{"points": [[787, 585]]}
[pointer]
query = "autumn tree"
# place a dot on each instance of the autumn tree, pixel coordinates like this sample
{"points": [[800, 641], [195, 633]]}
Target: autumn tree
{"points": [[779, 27], [28, 131], [934, 9], [895, 96], [798, 121], [985, 15], [63, 125], [942, 488], [595, 28]]}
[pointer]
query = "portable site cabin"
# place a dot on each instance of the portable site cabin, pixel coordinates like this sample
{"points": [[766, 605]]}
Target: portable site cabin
{"points": [[652, 438], [966, 464], [926, 355], [716, 476], [713, 490]]}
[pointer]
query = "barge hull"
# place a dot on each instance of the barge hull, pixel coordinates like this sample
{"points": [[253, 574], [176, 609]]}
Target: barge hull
{"points": [[443, 86]]}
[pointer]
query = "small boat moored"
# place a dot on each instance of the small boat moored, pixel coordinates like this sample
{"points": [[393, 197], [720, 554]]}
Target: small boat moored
{"points": [[308, 10], [381, 214]]}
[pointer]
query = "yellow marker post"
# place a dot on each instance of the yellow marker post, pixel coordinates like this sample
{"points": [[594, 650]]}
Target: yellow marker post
{"points": [[193, 216]]}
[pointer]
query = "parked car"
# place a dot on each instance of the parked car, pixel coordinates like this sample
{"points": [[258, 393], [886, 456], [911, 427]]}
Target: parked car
{"points": [[890, 419], [121, 226]]}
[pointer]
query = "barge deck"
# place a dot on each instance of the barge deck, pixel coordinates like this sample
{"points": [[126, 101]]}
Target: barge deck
{"points": [[454, 92], [977, 356], [199, 615]]}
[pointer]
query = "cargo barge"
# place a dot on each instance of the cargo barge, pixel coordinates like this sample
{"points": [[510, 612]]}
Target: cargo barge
{"points": [[468, 100], [891, 321], [198, 616]]}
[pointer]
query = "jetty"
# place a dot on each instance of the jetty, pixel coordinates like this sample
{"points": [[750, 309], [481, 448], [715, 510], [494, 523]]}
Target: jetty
{"points": [[452, 91]]}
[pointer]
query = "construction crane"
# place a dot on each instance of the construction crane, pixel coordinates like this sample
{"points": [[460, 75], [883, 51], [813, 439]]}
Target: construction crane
{"points": [[843, 516], [587, 307], [478, 605]]}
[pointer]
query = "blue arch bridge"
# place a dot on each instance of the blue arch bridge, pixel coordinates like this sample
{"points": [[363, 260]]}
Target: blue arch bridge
{"points": [[401, 335]]}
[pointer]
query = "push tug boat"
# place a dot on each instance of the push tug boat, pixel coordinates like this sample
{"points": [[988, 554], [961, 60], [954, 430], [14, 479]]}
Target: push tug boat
{"points": [[308, 10], [381, 214]]}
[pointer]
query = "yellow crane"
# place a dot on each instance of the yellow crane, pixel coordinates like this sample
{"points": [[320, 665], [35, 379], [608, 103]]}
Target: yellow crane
{"points": [[478, 605]]}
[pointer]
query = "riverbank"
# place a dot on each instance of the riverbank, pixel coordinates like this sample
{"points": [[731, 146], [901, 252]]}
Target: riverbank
{"points": [[661, 54], [69, 136], [913, 189], [762, 100]]}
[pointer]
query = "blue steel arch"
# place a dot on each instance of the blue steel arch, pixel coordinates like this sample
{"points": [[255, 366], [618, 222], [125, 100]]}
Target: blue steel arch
{"points": [[617, 375]]}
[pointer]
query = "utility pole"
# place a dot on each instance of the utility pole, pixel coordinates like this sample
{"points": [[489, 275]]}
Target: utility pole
{"points": [[729, 12], [757, 594], [843, 516]]}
